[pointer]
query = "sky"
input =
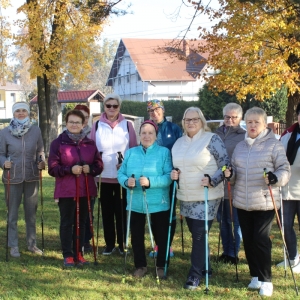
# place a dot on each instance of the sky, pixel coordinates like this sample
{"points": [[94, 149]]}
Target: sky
{"points": [[147, 19]]}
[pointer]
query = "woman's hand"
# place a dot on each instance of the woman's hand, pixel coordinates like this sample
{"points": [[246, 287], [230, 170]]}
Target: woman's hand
{"points": [[175, 174], [7, 164], [144, 181], [131, 182], [205, 181], [228, 173], [86, 169], [41, 165], [77, 170]]}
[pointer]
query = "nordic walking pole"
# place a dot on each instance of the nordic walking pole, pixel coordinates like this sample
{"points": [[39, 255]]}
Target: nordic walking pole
{"points": [[220, 228], [90, 217], [127, 233], [282, 225], [182, 241], [7, 213], [170, 224], [42, 206], [150, 231], [77, 218], [206, 235], [98, 213], [281, 232], [120, 160]]}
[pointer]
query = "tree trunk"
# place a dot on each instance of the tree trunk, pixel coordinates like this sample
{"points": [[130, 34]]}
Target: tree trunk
{"points": [[293, 100], [48, 111]]}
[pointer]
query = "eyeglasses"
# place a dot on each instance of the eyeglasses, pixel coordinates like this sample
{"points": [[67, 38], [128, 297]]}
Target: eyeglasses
{"points": [[232, 118], [194, 120], [151, 111], [74, 123], [115, 106]]}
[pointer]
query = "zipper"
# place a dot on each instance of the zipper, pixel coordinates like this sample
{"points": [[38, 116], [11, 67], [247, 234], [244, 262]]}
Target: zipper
{"points": [[247, 163]]}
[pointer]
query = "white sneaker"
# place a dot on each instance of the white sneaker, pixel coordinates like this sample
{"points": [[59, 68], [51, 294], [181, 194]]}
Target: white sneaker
{"points": [[255, 284], [14, 252], [294, 262], [296, 269], [35, 250], [266, 289]]}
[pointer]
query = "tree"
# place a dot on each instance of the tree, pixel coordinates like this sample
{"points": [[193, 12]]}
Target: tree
{"points": [[60, 31], [212, 103], [254, 47]]}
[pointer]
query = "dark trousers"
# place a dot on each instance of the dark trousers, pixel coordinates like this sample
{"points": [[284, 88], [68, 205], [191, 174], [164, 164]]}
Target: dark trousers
{"points": [[113, 208], [291, 208], [159, 224], [256, 228], [197, 229], [67, 209]]}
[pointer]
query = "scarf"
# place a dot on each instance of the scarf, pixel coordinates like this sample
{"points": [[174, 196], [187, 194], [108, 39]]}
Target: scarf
{"points": [[113, 124], [76, 137], [86, 130], [251, 141], [18, 128], [293, 145]]}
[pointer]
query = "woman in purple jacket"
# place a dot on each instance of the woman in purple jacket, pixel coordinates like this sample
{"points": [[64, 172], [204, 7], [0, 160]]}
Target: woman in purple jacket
{"points": [[72, 154]]}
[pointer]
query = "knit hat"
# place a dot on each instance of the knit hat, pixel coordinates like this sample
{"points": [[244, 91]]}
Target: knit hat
{"points": [[20, 105], [151, 123], [151, 104]]}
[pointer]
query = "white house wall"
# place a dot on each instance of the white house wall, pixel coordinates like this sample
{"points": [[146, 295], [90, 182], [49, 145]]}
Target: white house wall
{"points": [[130, 87]]}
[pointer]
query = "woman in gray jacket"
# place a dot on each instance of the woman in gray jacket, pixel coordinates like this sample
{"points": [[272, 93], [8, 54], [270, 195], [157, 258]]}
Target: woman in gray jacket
{"points": [[21, 155], [255, 208]]}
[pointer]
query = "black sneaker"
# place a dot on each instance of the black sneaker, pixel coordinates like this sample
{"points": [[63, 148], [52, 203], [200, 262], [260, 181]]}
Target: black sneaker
{"points": [[223, 258], [192, 283], [233, 260], [108, 250]]}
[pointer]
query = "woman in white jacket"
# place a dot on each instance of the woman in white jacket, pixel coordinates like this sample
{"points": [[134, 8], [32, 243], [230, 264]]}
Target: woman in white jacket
{"points": [[196, 153]]}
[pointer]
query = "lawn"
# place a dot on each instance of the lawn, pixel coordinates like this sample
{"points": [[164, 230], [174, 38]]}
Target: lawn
{"points": [[34, 277]]}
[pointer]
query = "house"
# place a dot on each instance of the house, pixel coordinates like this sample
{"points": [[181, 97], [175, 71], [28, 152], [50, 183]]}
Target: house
{"points": [[143, 70], [92, 98], [9, 94]]}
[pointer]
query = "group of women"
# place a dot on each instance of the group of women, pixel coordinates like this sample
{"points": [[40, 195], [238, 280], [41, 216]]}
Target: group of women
{"points": [[139, 179]]}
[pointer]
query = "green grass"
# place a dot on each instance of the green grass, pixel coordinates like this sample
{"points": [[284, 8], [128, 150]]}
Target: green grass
{"points": [[34, 277]]}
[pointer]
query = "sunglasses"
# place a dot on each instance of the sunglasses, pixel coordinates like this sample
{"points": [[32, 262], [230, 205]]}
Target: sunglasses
{"points": [[115, 106]]}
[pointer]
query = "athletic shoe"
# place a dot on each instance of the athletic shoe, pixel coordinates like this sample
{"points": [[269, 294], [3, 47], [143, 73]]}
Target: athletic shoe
{"points": [[14, 252], [140, 272], [35, 250], [161, 272], [171, 252], [155, 252], [69, 262], [223, 258], [108, 250], [192, 283], [293, 262], [232, 260], [296, 269], [81, 260], [121, 250], [266, 289], [255, 284]]}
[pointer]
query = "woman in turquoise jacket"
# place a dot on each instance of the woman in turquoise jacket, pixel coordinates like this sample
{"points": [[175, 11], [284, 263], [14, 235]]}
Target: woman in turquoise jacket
{"points": [[151, 166]]}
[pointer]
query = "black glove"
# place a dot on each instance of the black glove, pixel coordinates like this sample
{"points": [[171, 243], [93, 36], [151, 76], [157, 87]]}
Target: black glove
{"points": [[272, 178]]}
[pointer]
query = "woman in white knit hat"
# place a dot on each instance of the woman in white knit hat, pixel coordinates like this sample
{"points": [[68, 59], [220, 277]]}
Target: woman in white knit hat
{"points": [[21, 156]]}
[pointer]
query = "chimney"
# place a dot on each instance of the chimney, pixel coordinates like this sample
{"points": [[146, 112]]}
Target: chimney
{"points": [[186, 48]]}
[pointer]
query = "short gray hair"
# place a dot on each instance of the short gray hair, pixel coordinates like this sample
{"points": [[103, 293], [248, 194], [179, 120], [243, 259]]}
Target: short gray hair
{"points": [[256, 111], [112, 97], [201, 116], [233, 106]]}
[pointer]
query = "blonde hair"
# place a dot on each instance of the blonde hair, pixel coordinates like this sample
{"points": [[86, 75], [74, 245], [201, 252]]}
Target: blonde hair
{"points": [[256, 111], [201, 116], [112, 97]]}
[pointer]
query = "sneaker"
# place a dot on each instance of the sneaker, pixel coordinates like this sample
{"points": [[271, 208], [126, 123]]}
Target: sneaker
{"points": [[140, 272], [296, 269], [121, 250], [192, 283], [255, 284], [155, 252], [35, 250], [14, 252], [171, 252], [293, 262], [232, 260], [81, 260], [223, 258], [266, 289], [108, 250], [160, 272], [69, 262]]}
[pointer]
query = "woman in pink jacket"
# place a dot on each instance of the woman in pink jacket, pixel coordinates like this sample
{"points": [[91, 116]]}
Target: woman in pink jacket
{"points": [[73, 155]]}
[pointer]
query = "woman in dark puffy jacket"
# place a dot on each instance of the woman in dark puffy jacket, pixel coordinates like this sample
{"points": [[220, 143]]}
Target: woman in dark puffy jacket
{"points": [[73, 155]]}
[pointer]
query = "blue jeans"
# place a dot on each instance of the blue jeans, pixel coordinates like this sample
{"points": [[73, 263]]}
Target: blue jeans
{"points": [[226, 231], [197, 229], [291, 208]]}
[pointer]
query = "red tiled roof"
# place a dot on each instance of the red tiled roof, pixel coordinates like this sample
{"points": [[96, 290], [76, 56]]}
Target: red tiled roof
{"points": [[74, 96]]}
